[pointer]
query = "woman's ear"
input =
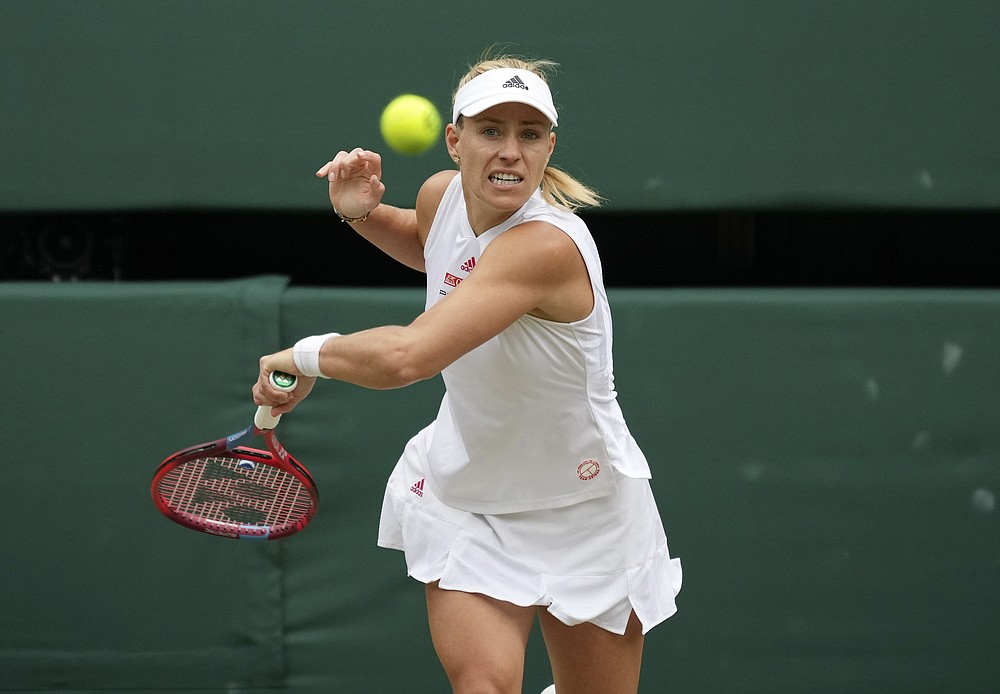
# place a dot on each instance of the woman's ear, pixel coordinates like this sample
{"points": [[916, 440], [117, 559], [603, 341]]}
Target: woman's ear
{"points": [[451, 136]]}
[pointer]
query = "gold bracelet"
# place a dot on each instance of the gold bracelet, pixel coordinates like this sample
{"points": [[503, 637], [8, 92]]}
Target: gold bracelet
{"points": [[352, 220]]}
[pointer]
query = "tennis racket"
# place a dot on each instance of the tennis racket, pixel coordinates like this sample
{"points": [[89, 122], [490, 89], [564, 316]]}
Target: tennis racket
{"points": [[228, 489]]}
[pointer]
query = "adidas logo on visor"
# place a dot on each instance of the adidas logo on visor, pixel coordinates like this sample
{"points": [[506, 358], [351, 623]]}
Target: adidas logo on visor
{"points": [[501, 86], [515, 81]]}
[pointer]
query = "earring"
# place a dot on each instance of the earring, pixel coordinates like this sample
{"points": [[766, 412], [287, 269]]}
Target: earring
{"points": [[457, 160]]}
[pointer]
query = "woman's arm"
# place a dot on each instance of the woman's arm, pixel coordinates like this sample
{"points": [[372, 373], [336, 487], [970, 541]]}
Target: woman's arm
{"points": [[356, 190], [534, 268]]}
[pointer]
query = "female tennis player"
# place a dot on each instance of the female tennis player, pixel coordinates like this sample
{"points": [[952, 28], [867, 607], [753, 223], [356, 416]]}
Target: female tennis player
{"points": [[526, 497]]}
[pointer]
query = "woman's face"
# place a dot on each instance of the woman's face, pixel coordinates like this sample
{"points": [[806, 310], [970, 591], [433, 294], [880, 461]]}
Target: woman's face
{"points": [[503, 152]]}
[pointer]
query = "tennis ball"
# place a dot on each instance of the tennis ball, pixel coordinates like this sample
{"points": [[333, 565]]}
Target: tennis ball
{"points": [[410, 124]]}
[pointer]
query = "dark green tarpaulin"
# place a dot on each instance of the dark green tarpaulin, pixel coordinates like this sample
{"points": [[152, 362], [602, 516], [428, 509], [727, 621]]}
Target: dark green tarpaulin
{"points": [[826, 464]]}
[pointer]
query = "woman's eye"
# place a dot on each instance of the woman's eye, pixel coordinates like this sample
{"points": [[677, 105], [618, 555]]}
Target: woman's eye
{"points": [[491, 132]]}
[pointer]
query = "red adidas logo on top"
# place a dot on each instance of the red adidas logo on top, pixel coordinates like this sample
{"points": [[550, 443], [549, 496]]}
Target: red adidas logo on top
{"points": [[451, 280], [418, 488]]}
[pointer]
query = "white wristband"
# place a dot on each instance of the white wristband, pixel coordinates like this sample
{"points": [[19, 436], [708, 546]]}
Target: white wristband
{"points": [[306, 354]]}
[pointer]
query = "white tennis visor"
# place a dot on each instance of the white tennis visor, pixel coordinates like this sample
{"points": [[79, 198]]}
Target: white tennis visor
{"points": [[502, 86]]}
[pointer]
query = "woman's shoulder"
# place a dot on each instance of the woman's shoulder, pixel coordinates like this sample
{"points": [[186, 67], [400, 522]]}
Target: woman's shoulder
{"points": [[434, 188], [429, 199]]}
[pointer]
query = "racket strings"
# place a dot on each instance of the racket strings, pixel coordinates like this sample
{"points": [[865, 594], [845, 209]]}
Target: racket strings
{"points": [[235, 491]]}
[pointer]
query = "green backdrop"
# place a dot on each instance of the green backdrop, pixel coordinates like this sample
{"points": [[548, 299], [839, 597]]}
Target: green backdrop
{"points": [[666, 104], [825, 462]]}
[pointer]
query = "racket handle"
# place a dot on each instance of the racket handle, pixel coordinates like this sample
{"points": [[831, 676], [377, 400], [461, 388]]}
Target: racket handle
{"points": [[282, 381], [263, 419]]}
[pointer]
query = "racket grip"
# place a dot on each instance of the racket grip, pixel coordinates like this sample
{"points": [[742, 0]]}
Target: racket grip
{"points": [[263, 419]]}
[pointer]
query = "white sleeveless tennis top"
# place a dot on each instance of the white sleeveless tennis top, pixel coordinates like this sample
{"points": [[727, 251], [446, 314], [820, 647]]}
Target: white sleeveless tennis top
{"points": [[530, 418]]}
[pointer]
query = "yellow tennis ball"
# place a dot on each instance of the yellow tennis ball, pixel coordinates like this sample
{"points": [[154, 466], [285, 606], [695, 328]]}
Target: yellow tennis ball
{"points": [[410, 124]]}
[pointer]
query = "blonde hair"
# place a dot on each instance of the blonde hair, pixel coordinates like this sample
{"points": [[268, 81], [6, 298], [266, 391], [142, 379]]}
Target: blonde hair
{"points": [[558, 187]]}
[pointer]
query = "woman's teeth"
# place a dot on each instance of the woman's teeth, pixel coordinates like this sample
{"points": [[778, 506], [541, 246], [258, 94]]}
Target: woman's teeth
{"points": [[505, 179]]}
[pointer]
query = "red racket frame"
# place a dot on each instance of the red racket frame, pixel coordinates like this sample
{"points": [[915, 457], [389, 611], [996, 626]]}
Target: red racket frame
{"points": [[233, 448]]}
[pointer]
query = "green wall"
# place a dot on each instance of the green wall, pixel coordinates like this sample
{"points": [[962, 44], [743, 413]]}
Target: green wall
{"points": [[825, 463], [667, 104]]}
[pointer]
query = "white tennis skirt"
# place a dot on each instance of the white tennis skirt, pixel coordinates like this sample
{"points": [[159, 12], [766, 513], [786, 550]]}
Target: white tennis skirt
{"points": [[595, 561]]}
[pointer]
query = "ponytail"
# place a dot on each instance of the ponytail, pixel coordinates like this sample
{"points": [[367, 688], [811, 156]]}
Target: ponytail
{"points": [[562, 190]]}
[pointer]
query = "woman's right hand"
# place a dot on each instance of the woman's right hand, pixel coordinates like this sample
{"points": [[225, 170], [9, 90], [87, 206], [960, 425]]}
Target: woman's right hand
{"points": [[281, 401], [355, 180]]}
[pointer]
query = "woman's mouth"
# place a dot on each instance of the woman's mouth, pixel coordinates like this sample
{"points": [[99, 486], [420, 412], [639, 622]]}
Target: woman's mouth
{"points": [[505, 179]]}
